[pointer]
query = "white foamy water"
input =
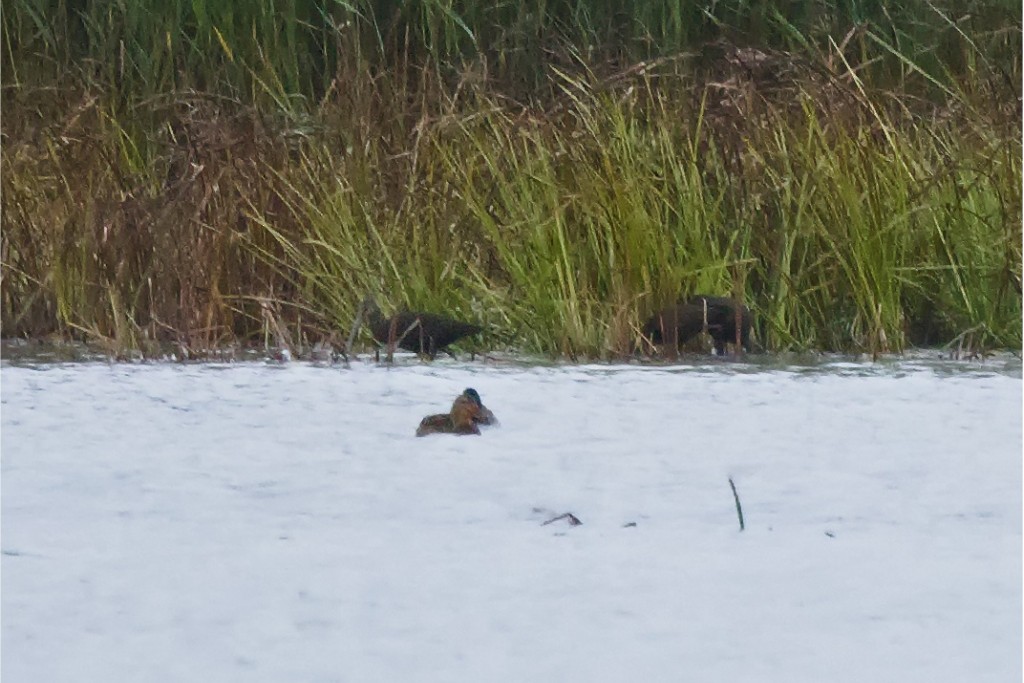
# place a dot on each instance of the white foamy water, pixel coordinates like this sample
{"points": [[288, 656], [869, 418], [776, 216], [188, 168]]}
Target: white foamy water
{"points": [[255, 522]]}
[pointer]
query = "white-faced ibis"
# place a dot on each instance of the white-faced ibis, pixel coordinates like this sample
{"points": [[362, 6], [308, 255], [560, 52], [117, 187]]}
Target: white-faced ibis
{"points": [[680, 323], [420, 332]]}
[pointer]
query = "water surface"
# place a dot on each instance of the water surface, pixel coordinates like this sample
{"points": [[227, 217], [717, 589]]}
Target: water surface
{"points": [[258, 521]]}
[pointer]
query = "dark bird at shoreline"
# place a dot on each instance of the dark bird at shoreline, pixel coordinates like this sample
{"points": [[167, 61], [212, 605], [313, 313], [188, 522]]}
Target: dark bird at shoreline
{"points": [[717, 314], [466, 414], [425, 333]]}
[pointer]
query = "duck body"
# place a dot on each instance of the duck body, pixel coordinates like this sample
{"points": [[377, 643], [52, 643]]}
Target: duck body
{"points": [[467, 413], [443, 423], [425, 333], [680, 323]]}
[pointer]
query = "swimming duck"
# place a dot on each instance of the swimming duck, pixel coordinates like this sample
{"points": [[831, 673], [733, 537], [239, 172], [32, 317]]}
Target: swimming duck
{"points": [[466, 414], [429, 332]]}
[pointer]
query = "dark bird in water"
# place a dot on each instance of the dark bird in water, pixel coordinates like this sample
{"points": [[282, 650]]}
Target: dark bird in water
{"points": [[717, 314], [466, 414], [425, 333]]}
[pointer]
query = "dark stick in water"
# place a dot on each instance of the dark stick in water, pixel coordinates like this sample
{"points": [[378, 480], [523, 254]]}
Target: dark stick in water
{"points": [[736, 496]]}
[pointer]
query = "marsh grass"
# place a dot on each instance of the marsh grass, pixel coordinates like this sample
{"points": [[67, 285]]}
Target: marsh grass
{"points": [[208, 174]]}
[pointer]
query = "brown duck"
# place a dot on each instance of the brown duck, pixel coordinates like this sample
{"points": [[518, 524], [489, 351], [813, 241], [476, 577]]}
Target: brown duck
{"points": [[425, 333], [467, 413]]}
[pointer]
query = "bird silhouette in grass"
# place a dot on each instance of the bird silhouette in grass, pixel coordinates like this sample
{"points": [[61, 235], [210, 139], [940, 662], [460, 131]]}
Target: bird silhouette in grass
{"points": [[420, 332], [714, 314]]}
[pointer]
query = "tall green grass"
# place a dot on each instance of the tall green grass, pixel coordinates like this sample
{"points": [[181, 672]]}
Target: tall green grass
{"points": [[288, 49], [573, 233], [557, 171]]}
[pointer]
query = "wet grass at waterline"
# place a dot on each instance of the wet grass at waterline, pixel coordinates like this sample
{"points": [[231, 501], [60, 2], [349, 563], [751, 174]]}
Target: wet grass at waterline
{"points": [[559, 235], [860, 194], [565, 237]]}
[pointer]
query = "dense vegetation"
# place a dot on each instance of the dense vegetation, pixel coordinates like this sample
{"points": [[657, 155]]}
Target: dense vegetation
{"points": [[203, 172]]}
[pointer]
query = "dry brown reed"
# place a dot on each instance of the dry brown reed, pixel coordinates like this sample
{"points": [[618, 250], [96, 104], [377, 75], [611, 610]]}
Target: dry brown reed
{"points": [[854, 196]]}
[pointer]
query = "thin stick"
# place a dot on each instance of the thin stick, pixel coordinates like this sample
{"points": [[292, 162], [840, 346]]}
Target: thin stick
{"points": [[672, 338], [356, 324], [412, 326], [392, 331], [736, 496], [272, 323], [738, 305], [573, 519], [737, 295], [393, 342], [704, 328]]}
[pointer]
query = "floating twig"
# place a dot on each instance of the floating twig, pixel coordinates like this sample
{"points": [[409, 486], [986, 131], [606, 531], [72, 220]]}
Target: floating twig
{"points": [[736, 496], [573, 519]]}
